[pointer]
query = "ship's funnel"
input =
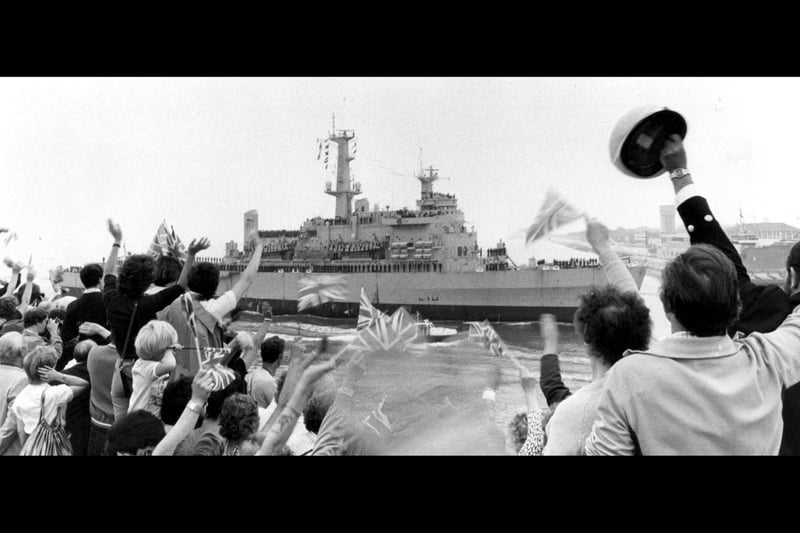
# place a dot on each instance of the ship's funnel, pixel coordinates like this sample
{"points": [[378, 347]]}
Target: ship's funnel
{"points": [[639, 136]]}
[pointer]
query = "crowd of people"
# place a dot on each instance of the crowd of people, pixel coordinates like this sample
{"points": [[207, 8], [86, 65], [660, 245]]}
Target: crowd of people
{"points": [[125, 368]]}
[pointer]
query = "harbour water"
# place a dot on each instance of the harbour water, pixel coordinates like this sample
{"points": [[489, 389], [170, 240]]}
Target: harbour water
{"points": [[447, 376]]}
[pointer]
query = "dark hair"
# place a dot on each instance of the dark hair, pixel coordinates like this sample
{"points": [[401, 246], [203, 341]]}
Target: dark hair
{"points": [[518, 429], [8, 306], [204, 279], [315, 411], [272, 349], [701, 289], [793, 260], [33, 316], [57, 314], [136, 275], [176, 395], [217, 398], [91, 275], [612, 321], [239, 417], [168, 270], [135, 431]]}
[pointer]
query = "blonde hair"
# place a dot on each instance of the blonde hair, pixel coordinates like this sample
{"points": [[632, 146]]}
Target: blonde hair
{"points": [[37, 358], [153, 340]]}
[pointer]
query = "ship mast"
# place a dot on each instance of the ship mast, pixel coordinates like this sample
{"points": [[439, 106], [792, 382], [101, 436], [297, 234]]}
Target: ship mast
{"points": [[426, 181], [344, 192]]}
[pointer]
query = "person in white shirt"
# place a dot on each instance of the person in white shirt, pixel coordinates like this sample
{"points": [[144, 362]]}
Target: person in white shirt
{"points": [[23, 415], [261, 385], [203, 282], [155, 346]]}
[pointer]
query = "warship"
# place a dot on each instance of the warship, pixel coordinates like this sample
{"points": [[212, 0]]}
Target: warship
{"points": [[426, 260]]}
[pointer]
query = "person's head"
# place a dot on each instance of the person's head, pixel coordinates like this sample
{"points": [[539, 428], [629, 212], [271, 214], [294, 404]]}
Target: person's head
{"points": [[56, 313], [136, 433], [39, 357], [168, 270], [176, 395], [272, 350], [611, 322], [238, 420], [8, 307], [12, 349], [217, 398], [91, 275], [82, 349], [137, 273], [204, 279], [518, 430], [154, 339], [35, 319], [793, 269], [700, 291], [315, 411]]}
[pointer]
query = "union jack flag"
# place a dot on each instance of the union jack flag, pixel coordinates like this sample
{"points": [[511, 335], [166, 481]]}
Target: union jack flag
{"points": [[367, 314], [167, 243], [214, 360], [554, 213], [485, 333], [317, 290], [388, 333]]}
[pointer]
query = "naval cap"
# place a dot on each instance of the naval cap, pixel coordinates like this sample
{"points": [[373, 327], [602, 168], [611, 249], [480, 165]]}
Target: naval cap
{"points": [[638, 137]]}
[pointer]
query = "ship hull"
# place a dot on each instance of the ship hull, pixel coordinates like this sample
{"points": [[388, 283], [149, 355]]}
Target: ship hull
{"points": [[505, 296]]}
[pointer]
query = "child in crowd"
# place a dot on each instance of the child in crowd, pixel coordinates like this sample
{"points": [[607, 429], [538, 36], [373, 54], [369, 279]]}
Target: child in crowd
{"points": [[155, 346]]}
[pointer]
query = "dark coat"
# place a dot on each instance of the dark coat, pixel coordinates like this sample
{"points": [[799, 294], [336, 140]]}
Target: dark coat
{"points": [[764, 307]]}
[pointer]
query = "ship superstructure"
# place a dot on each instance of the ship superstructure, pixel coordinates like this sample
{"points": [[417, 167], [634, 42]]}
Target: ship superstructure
{"points": [[426, 259]]}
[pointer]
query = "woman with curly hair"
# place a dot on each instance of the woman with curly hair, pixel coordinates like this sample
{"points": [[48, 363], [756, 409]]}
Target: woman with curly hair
{"points": [[238, 425], [610, 320], [128, 307]]}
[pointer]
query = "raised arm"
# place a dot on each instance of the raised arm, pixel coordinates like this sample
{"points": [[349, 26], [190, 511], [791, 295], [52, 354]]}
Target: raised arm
{"points": [[202, 386], [16, 268], [617, 273], [92, 329], [166, 365], [195, 247], [550, 381], [331, 436], [279, 432], [249, 274], [78, 385], [111, 262], [693, 209]]}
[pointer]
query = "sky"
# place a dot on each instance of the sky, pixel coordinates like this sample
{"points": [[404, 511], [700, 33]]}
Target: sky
{"points": [[199, 152]]}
